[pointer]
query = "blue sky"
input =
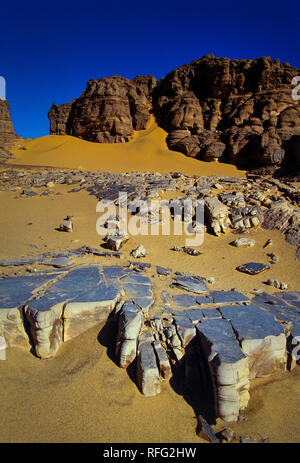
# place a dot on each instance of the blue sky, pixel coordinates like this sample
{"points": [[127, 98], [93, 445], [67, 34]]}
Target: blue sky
{"points": [[49, 50]]}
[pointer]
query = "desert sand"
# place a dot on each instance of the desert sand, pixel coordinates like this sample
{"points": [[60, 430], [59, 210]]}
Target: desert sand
{"points": [[82, 395]]}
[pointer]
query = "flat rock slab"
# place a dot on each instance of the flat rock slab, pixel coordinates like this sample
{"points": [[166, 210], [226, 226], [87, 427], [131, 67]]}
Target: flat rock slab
{"points": [[253, 268], [228, 297], [192, 284], [210, 313], [163, 270], [16, 291], [261, 337], [204, 300], [185, 328], [282, 311], [184, 300], [70, 286], [59, 262], [195, 315]]}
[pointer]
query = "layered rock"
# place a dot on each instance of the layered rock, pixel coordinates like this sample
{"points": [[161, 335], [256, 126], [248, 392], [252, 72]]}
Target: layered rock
{"points": [[239, 111], [7, 131], [108, 111]]}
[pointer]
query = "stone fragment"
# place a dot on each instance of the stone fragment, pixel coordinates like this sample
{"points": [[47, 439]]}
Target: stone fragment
{"points": [[147, 370], [246, 217], [211, 314], [88, 309], [245, 242], [262, 339], [187, 250], [163, 271], [195, 315], [195, 285], [253, 268], [184, 300], [14, 293], [207, 431], [44, 314], [228, 297], [217, 215], [66, 226], [129, 325], [162, 360], [269, 242], [115, 241], [185, 328], [140, 251], [277, 284], [59, 262], [228, 367]]}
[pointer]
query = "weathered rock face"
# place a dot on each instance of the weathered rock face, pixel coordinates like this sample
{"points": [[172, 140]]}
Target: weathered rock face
{"points": [[239, 111], [108, 111], [7, 131]]}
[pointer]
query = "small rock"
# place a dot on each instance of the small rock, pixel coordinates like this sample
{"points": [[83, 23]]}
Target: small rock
{"points": [[277, 284], [273, 258], [253, 268], [140, 251], [268, 243], [115, 241], [66, 226], [227, 435], [206, 431], [243, 242], [246, 440]]}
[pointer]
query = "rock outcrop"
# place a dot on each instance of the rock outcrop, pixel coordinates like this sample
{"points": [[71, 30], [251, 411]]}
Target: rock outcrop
{"points": [[237, 111], [108, 111], [7, 131]]}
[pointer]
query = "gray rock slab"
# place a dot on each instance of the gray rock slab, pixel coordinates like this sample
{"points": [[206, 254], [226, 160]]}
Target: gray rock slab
{"points": [[210, 313], [163, 270], [18, 261], [261, 337], [185, 328], [138, 290], [59, 262], [204, 300], [195, 315], [222, 338], [70, 286], [253, 268], [282, 311], [147, 370], [135, 279], [190, 284], [114, 271], [16, 291], [162, 360], [228, 297], [165, 297], [184, 300]]}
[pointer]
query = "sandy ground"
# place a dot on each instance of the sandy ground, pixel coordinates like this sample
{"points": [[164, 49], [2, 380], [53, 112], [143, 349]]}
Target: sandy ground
{"points": [[81, 395]]}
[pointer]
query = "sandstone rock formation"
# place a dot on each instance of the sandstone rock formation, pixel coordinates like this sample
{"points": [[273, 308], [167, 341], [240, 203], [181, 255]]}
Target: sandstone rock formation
{"points": [[7, 131], [239, 111], [108, 111]]}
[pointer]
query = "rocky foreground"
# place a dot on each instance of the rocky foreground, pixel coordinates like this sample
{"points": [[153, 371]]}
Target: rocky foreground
{"points": [[219, 340]]}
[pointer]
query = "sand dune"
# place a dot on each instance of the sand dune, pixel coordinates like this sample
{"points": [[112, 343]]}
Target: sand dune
{"points": [[147, 151]]}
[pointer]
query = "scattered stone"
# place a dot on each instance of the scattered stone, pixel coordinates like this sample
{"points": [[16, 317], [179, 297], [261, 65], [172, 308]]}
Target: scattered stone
{"points": [[217, 215], [59, 262], [246, 440], [253, 268], [66, 226], [140, 251], [163, 271], [274, 259], [188, 250], [195, 285], [207, 431], [29, 193], [226, 434], [115, 241], [277, 284], [269, 242], [247, 242]]}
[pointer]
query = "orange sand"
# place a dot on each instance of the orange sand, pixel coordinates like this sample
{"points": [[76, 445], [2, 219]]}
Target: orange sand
{"points": [[147, 151]]}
